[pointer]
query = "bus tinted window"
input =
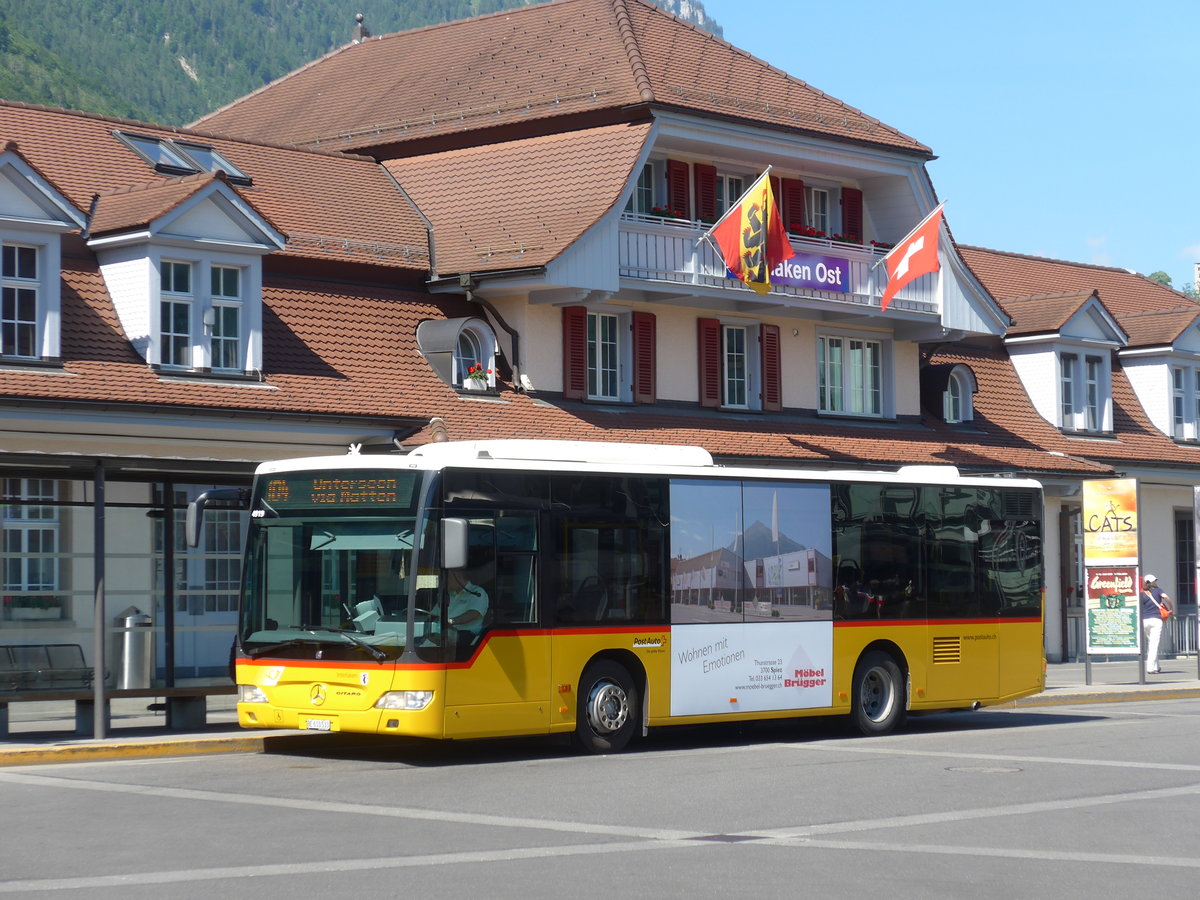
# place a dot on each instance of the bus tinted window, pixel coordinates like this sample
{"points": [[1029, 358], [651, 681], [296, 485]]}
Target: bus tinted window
{"points": [[607, 554], [877, 551]]}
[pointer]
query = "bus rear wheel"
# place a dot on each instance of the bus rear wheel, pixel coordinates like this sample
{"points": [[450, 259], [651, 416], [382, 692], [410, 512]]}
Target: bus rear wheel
{"points": [[607, 714], [879, 701]]}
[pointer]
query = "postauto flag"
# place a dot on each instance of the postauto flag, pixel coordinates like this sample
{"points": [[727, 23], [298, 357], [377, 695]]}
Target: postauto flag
{"points": [[751, 237]]}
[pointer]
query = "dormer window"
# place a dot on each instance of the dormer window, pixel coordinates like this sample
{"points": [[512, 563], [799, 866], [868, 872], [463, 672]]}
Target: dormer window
{"points": [[181, 157], [957, 399], [474, 353], [199, 330], [1185, 403], [462, 352], [226, 317], [19, 307], [1083, 388], [175, 310]]}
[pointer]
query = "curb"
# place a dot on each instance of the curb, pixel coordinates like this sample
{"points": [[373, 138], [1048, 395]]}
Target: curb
{"points": [[32, 756], [1103, 696]]}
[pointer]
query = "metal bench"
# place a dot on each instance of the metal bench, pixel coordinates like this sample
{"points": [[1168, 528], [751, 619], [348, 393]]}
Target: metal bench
{"points": [[26, 666], [44, 672]]}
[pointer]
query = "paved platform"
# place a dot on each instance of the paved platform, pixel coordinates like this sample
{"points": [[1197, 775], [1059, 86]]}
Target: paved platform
{"points": [[43, 732]]}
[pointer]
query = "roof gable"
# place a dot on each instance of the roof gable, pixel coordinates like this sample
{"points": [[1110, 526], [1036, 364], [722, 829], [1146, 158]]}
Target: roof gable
{"points": [[533, 63], [1079, 316], [195, 208], [28, 198]]}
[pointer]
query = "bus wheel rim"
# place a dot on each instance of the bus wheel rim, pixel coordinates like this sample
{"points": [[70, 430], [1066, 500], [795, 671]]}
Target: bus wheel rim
{"points": [[878, 694], [608, 707]]}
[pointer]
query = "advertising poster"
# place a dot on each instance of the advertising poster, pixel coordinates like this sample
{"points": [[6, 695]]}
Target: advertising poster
{"points": [[1110, 522], [751, 667], [1110, 558], [1112, 614]]}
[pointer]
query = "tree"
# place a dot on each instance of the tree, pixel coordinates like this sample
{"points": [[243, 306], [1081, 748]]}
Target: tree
{"points": [[1161, 277]]}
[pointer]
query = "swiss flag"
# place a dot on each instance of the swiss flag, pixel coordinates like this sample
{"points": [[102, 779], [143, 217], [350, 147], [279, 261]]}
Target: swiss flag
{"points": [[914, 256]]}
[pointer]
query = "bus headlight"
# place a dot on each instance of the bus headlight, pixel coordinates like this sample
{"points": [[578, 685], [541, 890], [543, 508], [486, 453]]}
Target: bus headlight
{"points": [[405, 700], [251, 693]]}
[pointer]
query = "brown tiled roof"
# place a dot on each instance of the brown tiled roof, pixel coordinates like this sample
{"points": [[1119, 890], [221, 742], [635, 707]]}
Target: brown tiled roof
{"points": [[139, 205], [533, 63], [1047, 313], [1002, 408], [329, 349], [552, 189], [331, 206], [1012, 275], [1159, 326]]}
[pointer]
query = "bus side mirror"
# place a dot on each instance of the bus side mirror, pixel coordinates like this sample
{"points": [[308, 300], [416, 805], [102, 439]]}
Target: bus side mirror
{"points": [[454, 543], [195, 510]]}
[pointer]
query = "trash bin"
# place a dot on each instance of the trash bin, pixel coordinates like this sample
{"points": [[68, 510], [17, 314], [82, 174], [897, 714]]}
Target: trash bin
{"points": [[133, 649]]}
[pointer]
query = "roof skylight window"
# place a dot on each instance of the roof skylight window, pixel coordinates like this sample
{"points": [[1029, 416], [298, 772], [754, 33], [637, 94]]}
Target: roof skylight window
{"points": [[181, 158]]}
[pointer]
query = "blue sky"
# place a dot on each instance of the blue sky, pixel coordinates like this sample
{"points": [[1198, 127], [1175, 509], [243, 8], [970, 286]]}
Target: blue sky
{"points": [[1062, 129]]}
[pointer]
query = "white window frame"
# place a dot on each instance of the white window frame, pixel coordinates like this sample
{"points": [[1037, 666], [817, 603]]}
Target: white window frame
{"points": [[1185, 402], [641, 201], [1085, 390], [227, 311], [30, 536], [729, 189], [736, 366], [173, 299], [217, 319], [820, 209], [957, 403], [844, 389], [17, 285], [482, 341], [604, 355]]}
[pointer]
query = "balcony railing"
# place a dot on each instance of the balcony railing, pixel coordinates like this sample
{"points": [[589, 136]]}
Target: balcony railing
{"points": [[671, 252]]}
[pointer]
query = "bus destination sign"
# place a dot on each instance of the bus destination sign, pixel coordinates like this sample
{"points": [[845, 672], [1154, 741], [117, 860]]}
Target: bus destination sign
{"points": [[377, 490]]}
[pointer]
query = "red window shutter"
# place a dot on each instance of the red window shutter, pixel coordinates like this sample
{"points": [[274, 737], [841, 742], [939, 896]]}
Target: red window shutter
{"points": [[709, 356], [772, 373], [677, 188], [852, 213], [706, 191], [574, 328], [645, 357], [792, 202]]}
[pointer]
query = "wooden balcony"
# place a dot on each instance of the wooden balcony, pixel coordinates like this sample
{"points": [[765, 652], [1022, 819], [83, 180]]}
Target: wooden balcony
{"points": [[666, 255]]}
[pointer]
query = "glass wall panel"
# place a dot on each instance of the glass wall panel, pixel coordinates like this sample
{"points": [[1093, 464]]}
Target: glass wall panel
{"points": [[47, 597]]}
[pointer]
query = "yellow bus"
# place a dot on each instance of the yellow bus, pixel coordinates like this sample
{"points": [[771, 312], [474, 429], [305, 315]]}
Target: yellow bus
{"points": [[489, 588]]}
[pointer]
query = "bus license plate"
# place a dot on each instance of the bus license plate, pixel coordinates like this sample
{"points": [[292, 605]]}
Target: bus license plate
{"points": [[319, 725]]}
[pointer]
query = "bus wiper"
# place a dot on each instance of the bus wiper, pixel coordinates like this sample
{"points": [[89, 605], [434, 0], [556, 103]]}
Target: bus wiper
{"points": [[271, 648], [352, 638]]}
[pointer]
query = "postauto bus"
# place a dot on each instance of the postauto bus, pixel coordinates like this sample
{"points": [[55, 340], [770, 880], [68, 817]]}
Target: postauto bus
{"points": [[480, 589]]}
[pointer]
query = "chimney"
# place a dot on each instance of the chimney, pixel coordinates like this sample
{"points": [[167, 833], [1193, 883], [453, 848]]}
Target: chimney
{"points": [[360, 33]]}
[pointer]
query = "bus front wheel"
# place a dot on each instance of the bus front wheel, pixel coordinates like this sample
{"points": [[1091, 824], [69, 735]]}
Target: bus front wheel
{"points": [[607, 714], [878, 703]]}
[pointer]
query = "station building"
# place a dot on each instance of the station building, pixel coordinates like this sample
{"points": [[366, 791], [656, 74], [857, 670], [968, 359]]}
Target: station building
{"points": [[493, 228]]}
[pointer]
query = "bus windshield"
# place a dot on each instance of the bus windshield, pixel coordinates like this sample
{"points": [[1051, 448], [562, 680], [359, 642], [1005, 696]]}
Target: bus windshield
{"points": [[328, 566]]}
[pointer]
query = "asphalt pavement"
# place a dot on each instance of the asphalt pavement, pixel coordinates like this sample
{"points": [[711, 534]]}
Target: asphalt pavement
{"points": [[42, 733]]}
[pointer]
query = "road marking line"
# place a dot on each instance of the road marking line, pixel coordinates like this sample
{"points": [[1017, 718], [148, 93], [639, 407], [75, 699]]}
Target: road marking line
{"points": [[363, 809], [878, 749], [95, 882], [962, 815], [996, 852]]}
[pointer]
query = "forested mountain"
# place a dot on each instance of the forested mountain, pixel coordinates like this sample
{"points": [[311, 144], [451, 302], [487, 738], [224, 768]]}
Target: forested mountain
{"points": [[171, 61]]}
